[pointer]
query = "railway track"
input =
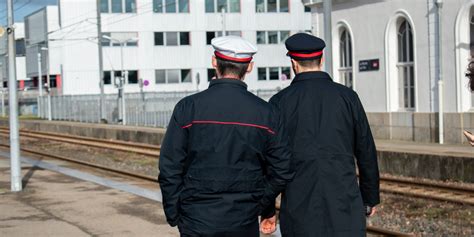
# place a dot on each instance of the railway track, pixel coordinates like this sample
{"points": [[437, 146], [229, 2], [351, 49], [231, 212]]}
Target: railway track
{"points": [[139, 148], [377, 231], [396, 185], [370, 229], [429, 190]]}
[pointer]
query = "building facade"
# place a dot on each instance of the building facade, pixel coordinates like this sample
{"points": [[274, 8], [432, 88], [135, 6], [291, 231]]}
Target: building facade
{"points": [[402, 36], [163, 42], [387, 51]]}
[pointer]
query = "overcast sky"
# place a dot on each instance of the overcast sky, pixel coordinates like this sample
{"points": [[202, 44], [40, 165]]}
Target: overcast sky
{"points": [[22, 8]]}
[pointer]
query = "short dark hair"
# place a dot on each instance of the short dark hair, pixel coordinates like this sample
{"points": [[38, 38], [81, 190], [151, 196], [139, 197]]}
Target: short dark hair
{"points": [[227, 67], [310, 63], [470, 75]]}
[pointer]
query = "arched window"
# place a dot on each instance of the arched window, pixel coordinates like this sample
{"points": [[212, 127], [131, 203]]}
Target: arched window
{"points": [[405, 65], [471, 31], [471, 43], [345, 59]]}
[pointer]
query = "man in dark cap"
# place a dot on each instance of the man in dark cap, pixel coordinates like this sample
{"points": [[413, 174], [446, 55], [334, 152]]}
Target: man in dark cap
{"points": [[225, 156], [328, 128]]}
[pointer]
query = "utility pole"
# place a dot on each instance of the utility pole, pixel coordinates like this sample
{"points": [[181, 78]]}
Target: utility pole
{"points": [[40, 83], [439, 4], [101, 64], [223, 21], [15, 166], [327, 8], [3, 103], [48, 81]]}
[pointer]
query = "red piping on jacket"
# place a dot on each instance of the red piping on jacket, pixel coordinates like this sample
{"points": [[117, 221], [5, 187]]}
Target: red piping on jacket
{"points": [[229, 123]]}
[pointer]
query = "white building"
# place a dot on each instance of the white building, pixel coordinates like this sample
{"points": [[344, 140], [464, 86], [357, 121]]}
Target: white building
{"points": [[167, 41], [402, 35], [401, 38], [23, 80]]}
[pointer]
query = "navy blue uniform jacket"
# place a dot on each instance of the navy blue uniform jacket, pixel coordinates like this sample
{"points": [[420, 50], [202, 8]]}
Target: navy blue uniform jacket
{"points": [[224, 159], [328, 132]]}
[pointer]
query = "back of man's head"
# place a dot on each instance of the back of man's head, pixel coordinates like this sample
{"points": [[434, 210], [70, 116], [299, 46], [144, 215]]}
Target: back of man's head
{"points": [[232, 56], [231, 69], [306, 52]]}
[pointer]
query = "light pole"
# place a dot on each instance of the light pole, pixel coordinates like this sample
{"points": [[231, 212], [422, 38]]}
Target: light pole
{"points": [[327, 8], [48, 81], [15, 166], [439, 4], [124, 75], [40, 83]]}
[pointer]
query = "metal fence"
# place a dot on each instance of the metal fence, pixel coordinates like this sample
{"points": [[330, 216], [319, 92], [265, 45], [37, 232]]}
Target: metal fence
{"points": [[151, 109]]}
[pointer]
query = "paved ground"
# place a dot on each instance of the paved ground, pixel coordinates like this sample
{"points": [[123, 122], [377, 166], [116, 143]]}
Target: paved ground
{"points": [[54, 204], [426, 148]]}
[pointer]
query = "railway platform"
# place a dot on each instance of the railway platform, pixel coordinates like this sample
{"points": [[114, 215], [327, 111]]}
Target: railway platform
{"points": [[54, 203]]}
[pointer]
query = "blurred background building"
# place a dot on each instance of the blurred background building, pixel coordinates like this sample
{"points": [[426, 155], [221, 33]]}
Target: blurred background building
{"points": [[165, 42]]}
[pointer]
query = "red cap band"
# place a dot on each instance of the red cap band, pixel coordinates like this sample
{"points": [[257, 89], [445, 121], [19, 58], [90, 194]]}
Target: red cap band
{"points": [[306, 55], [229, 58]]}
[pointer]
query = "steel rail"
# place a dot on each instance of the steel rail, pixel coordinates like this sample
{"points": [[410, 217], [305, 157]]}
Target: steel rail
{"points": [[89, 164], [143, 149]]}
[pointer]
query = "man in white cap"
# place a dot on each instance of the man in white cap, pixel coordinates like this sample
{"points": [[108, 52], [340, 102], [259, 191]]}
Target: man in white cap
{"points": [[225, 156]]}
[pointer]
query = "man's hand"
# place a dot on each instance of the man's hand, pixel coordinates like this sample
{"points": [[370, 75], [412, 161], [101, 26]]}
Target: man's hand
{"points": [[371, 211], [268, 226], [470, 137]]}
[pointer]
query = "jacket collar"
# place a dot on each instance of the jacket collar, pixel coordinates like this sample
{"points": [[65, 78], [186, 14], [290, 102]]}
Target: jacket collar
{"points": [[313, 75], [226, 81]]}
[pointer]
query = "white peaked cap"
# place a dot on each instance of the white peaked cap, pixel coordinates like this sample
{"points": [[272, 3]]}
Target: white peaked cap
{"points": [[233, 48]]}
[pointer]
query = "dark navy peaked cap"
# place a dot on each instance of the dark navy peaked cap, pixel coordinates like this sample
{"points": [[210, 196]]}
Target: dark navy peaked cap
{"points": [[303, 46]]}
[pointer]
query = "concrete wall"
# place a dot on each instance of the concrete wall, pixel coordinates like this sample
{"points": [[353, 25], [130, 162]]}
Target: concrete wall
{"points": [[420, 127]]}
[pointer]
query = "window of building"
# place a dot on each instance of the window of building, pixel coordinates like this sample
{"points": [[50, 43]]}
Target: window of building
{"points": [[104, 6], [172, 38], [216, 6], [211, 73], [118, 6], [212, 34], [262, 74], [471, 40], [272, 37], [307, 9], [345, 58], [130, 6], [173, 76], [132, 77], [171, 6], [272, 6], [273, 73], [471, 32], [405, 65], [109, 80], [20, 47], [129, 38]]}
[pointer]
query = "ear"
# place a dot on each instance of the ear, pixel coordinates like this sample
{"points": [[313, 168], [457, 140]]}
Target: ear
{"points": [[294, 64], [250, 67], [322, 62], [214, 62]]}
